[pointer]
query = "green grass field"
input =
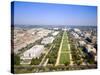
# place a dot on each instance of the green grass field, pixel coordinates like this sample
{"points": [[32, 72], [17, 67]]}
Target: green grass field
{"points": [[64, 45], [64, 57]]}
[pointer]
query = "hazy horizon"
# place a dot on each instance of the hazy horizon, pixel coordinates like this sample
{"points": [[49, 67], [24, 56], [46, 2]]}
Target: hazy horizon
{"points": [[32, 13]]}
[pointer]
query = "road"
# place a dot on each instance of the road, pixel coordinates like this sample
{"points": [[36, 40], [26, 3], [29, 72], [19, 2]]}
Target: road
{"points": [[41, 63]]}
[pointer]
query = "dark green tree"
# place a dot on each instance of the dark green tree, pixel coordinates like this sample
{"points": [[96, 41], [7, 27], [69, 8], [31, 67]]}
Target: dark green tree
{"points": [[16, 60], [66, 63]]}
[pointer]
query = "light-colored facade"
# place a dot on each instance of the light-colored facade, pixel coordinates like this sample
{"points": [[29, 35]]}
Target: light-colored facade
{"points": [[91, 48], [34, 52], [24, 37], [47, 40], [75, 35], [77, 30], [55, 33], [82, 43]]}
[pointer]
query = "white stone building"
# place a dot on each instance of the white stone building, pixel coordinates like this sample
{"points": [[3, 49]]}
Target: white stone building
{"points": [[82, 43], [34, 52], [47, 40], [55, 33]]}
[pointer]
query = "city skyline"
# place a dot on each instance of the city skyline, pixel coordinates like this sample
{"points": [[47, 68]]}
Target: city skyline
{"points": [[27, 13]]}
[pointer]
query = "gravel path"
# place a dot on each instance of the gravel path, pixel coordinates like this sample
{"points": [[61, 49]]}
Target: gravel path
{"points": [[41, 63]]}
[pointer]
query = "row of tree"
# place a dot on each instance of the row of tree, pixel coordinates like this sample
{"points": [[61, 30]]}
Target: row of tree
{"points": [[76, 56], [15, 59], [51, 68], [52, 55], [36, 61]]}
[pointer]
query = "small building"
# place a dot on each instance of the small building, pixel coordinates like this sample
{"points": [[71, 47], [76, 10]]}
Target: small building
{"points": [[75, 35], [94, 39], [55, 28], [91, 48], [95, 58], [87, 35], [82, 43], [55, 33], [47, 40], [77, 30], [33, 32]]}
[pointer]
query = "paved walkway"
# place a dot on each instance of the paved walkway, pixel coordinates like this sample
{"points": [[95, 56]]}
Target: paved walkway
{"points": [[45, 63], [41, 63]]}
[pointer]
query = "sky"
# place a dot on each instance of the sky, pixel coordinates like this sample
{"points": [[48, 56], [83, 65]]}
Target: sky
{"points": [[30, 13]]}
